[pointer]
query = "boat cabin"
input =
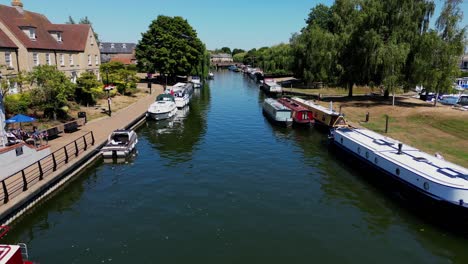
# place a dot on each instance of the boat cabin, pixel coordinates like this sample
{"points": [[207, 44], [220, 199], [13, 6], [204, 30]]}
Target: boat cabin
{"points": [[300, 114]]}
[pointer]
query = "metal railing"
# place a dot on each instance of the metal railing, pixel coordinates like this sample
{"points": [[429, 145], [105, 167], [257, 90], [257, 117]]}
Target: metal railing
{"points": [[19, 182]]}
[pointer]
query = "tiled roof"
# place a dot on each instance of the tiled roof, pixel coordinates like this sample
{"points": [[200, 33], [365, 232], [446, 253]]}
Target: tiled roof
{"points": [[116, 48], [123, 60], [74, 36], [221, 55], [5, 41]]}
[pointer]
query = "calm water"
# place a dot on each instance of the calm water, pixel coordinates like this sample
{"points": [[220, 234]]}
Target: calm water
{"points": [[223, 186]]}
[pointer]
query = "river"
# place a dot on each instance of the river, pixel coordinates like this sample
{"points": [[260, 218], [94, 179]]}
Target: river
{"points": [[222, 185]]}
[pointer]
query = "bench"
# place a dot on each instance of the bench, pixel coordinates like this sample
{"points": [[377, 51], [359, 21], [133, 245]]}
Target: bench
{"points": [[70, 127], [53, 132]]}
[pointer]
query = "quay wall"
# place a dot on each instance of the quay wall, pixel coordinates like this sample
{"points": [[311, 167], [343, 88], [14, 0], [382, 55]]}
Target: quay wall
{"points": [[128, 118]]}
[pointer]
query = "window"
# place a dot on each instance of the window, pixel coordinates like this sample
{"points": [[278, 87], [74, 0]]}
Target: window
{"points": [[36, 59], [91, 41], [62, 60], [465, 64], [96, 58], [59, 36], [89, 60], [112, 45], [71, 60], [32, 33], [47, 58], [124, 46], [8, 61]]}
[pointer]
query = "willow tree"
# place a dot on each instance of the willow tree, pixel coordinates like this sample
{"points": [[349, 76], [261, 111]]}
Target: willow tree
{"points": [[171, 47]]}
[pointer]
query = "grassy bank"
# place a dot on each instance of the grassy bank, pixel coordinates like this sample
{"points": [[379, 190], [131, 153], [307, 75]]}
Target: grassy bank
{"points": [[440, 129]]}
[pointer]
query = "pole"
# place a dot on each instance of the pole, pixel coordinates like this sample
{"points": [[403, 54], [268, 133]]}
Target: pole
{"points": [[386, 123], [109, 103]]}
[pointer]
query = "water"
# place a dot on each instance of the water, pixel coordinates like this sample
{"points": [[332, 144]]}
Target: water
{"points": [[223, 186]]}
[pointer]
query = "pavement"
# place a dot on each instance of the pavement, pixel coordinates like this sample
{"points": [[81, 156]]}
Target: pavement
{"points": [[101, 129]]}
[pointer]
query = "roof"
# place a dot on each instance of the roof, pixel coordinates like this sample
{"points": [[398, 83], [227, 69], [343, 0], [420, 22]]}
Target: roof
{"points": [[221, 55], [123, 48], [123, 60], [5, 41], [74, 36]]}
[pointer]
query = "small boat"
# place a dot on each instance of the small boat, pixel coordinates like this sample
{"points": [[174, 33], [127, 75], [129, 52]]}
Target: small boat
{"points": [[13, 254], [430, 176], [120, 144], [196, 81], [277, 113], [182, 93], [300, 114], [163, 108], [324, 117], [211, 75], [269, 86]]}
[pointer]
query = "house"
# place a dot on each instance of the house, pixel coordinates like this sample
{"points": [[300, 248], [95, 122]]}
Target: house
{"points": [[29, 39], [221, 58], [122, 52]]}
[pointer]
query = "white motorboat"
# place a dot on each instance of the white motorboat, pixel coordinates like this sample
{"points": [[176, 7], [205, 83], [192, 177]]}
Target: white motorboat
{"points": [[425, 174], [163, 108], [196, 81], [182, 93], [120, 144], [211, 75]]}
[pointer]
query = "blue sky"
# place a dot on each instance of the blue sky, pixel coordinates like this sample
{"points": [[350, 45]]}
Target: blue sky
{"points": [[242, 24]]}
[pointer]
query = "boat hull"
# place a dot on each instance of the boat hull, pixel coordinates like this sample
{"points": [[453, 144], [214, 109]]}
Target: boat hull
{"points": [[274, 121], [161, 116]]}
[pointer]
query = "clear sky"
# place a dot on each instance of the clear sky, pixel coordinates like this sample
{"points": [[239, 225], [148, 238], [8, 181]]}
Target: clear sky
{"points": [[242, 24]]}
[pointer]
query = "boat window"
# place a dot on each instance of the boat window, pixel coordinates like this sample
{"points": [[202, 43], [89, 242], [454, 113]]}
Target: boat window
{"points": [[367, 155], [359, 150], [397, 171], [376, 161]]}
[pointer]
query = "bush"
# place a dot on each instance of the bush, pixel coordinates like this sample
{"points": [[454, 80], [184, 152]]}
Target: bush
{"points": [[18, 103]]}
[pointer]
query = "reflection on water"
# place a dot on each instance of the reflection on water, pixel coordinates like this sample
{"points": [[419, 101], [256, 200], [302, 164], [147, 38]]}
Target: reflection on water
{"points": [[219, 184]]}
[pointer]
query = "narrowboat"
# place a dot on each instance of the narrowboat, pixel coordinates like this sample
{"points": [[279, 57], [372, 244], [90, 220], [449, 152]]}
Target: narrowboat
{"points": [[13, 254], [269, 86], [324, 117], [429, 176], [182, 93], [300, 114], [277, 113], [163, 108], [120, 144]]}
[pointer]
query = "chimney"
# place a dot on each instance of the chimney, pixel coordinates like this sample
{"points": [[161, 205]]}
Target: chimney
{"points": [[18, 5]]}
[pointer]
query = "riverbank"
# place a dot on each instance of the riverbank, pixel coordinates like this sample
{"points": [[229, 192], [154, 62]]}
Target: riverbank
{"points": [[417, 123], [101, 128]]}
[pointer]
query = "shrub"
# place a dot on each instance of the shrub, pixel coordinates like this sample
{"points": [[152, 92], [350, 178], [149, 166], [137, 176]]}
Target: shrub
{"points": [[17, 103]]}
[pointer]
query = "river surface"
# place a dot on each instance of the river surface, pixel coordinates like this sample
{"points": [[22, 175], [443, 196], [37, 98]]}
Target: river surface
{"points": [[219, 184]]}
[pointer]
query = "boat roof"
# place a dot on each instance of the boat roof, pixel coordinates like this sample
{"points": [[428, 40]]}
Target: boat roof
{"points": [[292, 105], [7, 252], [313, 105], [277, 105], [415, 160], [122, 131]]}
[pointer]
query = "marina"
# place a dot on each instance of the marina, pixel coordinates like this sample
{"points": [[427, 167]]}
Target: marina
{"points": [[199, 186]]}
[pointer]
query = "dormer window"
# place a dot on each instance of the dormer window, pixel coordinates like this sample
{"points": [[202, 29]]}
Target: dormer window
{"points": [[124, 46], [30, 32], [112, 45], [57, 35], [100, 45]]}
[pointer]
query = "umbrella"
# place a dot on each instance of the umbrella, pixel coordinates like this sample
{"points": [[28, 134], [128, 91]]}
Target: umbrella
{"points": [[20, 119]]}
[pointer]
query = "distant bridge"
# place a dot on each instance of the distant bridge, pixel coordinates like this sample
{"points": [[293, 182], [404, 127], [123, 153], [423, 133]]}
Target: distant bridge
{"points": [[225, 64]]}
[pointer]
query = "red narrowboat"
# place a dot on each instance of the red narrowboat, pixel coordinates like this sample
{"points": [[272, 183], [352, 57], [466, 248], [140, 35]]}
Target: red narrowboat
{"points": [[299, 114]]}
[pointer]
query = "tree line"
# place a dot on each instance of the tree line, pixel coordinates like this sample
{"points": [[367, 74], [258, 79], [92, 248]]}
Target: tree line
{"points": [[385, 44]]}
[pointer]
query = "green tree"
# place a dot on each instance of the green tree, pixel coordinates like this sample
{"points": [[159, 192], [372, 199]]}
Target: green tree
{"points": [[239, 57], [170, 46], [84, 20], [52, 89], [88, 89], [226, 50], [70, 21], [122, 76], [237, 51]]}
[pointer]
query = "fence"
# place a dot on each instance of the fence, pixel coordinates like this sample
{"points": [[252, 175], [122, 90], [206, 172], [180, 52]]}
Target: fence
{"points": [[19, 182]]}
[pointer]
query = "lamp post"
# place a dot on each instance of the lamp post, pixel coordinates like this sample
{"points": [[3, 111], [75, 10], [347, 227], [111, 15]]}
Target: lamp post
{"points": [[108, 88]]}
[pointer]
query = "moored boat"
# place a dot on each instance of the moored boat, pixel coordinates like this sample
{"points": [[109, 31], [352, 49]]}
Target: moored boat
{"points": [[269, 86], [196, 81], [324, 117], [182, 93], [211, 75], [13, 254], [277, 113], [424, 174], [300, 114], [120, 144], [163, 108]]}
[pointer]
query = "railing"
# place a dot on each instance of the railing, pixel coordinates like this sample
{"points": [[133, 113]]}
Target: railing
{"points": [[19, 182]]}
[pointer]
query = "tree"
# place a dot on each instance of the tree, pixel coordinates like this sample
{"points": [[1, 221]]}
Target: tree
{"points": [[170, 46], [88, 89], [237, 51], [52, 89], [239, 57], [226, 50], [122, 76], [70, 21]]}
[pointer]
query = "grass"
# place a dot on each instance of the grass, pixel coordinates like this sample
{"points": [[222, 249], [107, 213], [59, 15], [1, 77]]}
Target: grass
{"points": [[439, 129]]}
